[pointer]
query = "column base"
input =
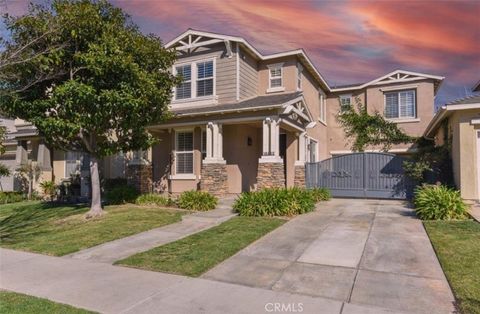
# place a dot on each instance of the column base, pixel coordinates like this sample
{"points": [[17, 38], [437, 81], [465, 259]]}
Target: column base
{"points": [[214, 178], [140, 177], [270, 175], [299, 179]]}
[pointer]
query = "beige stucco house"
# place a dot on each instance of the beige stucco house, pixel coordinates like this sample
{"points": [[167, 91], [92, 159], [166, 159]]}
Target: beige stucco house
{"points": [[458, 122], [244, 120]]}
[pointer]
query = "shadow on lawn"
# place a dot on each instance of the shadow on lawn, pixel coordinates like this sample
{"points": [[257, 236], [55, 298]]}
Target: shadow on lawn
{"points": [[25, 221]]}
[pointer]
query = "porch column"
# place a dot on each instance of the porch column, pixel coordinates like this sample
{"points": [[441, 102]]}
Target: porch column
{"points": [[214, 169], [299, 179], [271, 171]]}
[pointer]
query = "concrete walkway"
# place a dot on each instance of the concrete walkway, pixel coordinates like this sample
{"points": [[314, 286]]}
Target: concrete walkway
{"points": [[118, 249], [475, 212], [364, 253]]}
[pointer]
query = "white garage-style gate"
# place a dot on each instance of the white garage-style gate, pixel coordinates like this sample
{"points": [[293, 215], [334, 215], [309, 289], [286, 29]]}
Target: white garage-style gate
{"points": [[365, 175]]}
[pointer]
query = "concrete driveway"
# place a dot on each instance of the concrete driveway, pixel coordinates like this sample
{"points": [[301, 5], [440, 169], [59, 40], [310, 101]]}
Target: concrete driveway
{"points": [[374, 256]]}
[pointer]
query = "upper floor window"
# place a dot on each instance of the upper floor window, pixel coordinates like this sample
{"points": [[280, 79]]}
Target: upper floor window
{"points": [[184, 89], [275, 77], [299, 76], [345, 102], [205, 78], [400, 104], [198, 80], [322, 108], [184, 152]]}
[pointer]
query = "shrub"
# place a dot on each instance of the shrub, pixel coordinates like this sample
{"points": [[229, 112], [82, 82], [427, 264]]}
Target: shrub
{"points": [[11, 197], [197, 200], [275, 202], [320, 194], [121, 194], [438, 202], [154, 199], [49, 189], [109, 184]]}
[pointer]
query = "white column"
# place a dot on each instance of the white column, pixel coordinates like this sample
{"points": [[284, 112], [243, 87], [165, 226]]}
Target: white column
{"points": [[214, 143], [301, 149], [266, 137], [271, 141]]}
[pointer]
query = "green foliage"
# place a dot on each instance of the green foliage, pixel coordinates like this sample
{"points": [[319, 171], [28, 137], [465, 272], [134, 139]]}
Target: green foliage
{"points": [[4, 171], [366, 129], [3, 133], [275, 202], [197, 200], [438, 202], [154, 199], [49, 189], [109, 184], [91, 82], [11, 197], [121, 194], [320, 194], [430, 163]]}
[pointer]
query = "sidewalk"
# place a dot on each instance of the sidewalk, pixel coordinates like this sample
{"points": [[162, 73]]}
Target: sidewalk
{"points": [[119, 249], [112, 289]]}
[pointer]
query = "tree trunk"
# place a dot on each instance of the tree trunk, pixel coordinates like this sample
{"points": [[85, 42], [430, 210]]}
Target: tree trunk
{"points": [[30, 188], [96, 206]]}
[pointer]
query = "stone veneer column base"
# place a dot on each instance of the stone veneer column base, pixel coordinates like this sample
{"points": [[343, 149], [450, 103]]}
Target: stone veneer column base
{"points": [[299, 179], [214, 178], [270, 175], [140, 177]]}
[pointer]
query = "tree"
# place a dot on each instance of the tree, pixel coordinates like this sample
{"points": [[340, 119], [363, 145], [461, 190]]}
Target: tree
{"points": [[92, 83], [365, 129], [4, 171], [29, 173]]}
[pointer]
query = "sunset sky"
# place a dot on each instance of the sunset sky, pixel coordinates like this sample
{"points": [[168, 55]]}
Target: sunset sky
{"points": [[349, 41]]}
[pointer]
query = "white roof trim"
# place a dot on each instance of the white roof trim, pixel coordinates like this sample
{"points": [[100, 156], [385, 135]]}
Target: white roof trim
{"points": [[297, 52], [443, 112], [397, 76]]}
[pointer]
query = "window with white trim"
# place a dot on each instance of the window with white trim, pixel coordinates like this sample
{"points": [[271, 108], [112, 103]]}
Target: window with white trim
{"points": [[198, 79], [345, 102], [299, 76], [72, 163], [275, 76], [204, 78], [184, 89], [400, 104], [184, 152], [322, 107]]}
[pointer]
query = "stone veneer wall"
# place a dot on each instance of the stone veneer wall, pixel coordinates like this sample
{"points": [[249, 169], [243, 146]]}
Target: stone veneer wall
{"points": [[214, 178], [270, 175], [299, 179], [140, 176]]}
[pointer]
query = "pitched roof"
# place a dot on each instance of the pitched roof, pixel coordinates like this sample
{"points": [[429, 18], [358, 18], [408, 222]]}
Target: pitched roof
{"points": [[465, 103], [472, 99], [257, 103], [397, 76], [476, 87], [300, 53]]}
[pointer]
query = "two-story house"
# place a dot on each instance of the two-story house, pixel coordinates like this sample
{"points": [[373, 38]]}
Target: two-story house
{"points": [[244, 120]]}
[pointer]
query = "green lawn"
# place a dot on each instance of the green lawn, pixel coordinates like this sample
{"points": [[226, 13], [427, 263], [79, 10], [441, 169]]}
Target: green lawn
{"points": [[194, 255], [457, 244], [16, 303], [62, 229]]}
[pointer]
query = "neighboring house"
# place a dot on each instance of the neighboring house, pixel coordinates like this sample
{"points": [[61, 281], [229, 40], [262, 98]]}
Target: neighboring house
{"points": [[244, 120], [459, 123]]}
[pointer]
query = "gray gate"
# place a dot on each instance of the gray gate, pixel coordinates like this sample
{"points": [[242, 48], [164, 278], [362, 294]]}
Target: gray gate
{"points": [[374, 175]]}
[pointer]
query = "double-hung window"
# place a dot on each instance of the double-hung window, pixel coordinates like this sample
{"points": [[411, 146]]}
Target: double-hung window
{"points": [[275, 76], [400, 105], [322, 108], [345, 102], [184, 89], [72, 163], [184, 152], [204, 78]]}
